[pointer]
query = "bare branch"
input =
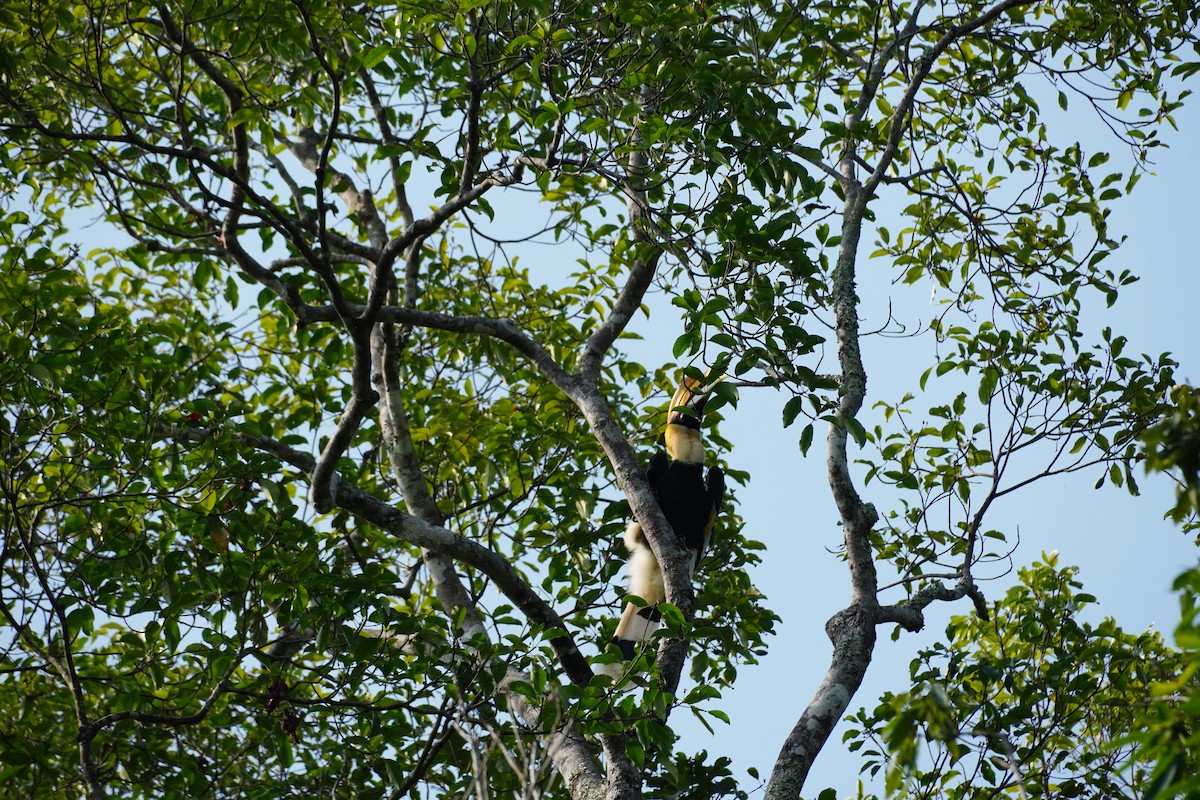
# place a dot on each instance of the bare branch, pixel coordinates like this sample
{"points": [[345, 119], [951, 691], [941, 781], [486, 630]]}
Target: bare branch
{"points": [[645, 259], [504, 330], [385, 132], [902, 113]]}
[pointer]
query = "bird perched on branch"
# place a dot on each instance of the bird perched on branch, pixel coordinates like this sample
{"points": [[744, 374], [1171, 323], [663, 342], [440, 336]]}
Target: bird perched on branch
{"points": [[690, 500]]}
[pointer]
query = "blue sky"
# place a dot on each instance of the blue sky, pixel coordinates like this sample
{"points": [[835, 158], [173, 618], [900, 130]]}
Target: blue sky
{"points": [[1127, 553]]}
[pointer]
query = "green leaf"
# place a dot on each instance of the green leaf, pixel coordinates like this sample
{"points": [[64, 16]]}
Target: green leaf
{"points": [[375, 55], [806, 439], [792, 409]]}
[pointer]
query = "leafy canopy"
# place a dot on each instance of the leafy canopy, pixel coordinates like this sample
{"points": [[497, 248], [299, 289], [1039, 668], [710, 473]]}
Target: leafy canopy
{"points": [[319, 430]]}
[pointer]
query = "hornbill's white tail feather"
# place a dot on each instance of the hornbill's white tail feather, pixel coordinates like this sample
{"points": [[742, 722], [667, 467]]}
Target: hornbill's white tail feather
{"points": [[645, 578], [639, 622]]}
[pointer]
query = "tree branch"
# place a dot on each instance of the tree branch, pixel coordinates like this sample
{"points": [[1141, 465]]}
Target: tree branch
{"points": [[645, 259], [504, 330], [852, 632], [569, 750], [417, 531], [903, 111]]}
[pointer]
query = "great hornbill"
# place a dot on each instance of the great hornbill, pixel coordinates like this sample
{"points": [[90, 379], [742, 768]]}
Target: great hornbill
{"points": [[690, 501]]}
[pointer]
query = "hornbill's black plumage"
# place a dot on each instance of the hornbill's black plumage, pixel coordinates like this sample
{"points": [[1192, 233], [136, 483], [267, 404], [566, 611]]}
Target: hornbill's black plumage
{"points": [[690, 500]]}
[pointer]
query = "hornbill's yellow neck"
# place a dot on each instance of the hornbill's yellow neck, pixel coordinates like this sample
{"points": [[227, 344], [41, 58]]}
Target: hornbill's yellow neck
{"points": [[683, 440]]}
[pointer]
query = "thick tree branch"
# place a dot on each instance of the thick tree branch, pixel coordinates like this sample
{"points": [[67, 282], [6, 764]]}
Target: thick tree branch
{"points": [[363, 397], [852, 632], [876, 70], [472, 150], [857, 517], [624, 778], [573, 756], [504, 330], [358, 322], [910, 613], [673, 557], [853, 629], [632, 293], [323, 492]]}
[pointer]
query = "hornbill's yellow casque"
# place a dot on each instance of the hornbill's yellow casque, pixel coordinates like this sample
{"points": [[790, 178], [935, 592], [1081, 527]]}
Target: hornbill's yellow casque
{"points": [[690, 501]]}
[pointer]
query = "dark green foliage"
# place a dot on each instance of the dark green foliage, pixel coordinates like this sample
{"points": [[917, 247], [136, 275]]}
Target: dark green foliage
{"points": [[1036, 701]]}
